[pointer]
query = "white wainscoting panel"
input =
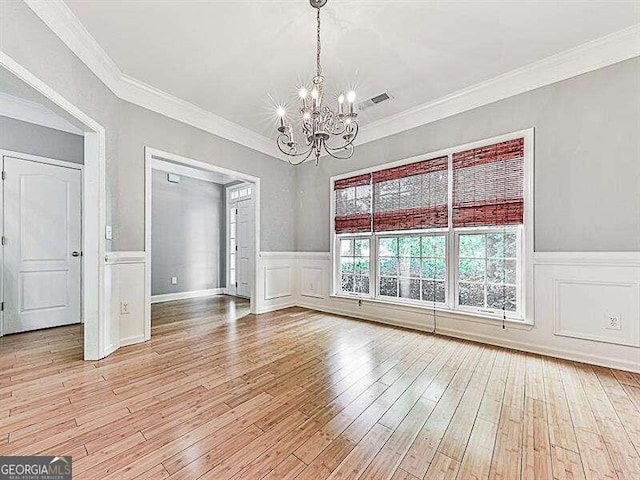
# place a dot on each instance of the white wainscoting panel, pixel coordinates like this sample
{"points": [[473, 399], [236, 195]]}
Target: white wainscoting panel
{"points": [[126, 279], [573, 294]]}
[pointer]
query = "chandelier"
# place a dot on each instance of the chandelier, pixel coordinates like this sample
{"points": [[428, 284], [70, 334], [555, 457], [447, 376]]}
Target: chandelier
{"points": [[323, 129]]}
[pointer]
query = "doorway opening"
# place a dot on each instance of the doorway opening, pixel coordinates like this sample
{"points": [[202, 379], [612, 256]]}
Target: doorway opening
{"points": [[201, 238], [53, 198]]}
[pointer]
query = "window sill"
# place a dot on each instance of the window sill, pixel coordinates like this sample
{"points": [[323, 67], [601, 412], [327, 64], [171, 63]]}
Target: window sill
{"points": [[442, 311]]}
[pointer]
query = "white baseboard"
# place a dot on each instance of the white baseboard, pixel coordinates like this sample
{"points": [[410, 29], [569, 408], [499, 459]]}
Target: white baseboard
{"points": [[577, 356], [131, 340], [169, 297], [571, 292]]}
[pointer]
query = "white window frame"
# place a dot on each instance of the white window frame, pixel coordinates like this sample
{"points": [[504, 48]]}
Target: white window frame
{"points": [[453, 266], [525, 312], [337, 277], [414, 233]]}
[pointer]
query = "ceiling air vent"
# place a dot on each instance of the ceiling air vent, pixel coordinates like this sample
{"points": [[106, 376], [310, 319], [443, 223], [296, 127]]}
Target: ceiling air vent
{"points": [[383, 97]]}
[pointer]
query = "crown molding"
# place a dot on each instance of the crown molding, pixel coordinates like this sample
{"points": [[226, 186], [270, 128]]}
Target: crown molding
{"points": [[599, 53], [32, 112], [59, 18]]}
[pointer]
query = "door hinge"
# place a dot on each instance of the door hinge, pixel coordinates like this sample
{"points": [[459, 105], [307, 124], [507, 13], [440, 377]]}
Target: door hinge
{"points": [[1, 306], [4, 175], [236, 284], [4, 240], [236, 248]]}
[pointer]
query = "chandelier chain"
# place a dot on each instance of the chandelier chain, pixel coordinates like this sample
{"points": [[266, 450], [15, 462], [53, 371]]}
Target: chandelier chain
{"points": [[318, 66]]}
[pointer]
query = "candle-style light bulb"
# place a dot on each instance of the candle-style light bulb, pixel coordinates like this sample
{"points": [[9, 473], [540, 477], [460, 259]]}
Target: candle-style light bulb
{"points": [[351, 98], [281, 113], [341, 104], [315, 95]]}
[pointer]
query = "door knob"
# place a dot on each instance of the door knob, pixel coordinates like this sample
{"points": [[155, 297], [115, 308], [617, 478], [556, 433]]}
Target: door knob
{"points": [[75, 254]]}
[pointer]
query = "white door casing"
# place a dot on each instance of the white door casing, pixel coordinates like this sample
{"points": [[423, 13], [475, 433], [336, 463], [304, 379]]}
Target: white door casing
{"points": [[42, 228]]}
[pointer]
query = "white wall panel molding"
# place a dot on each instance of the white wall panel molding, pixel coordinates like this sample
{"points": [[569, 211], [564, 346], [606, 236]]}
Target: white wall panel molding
{"points": [[569, 323], [599, 53], [125, 284]]}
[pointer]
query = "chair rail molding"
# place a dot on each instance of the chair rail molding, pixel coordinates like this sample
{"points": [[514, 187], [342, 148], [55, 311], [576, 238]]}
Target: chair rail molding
{"points": [[569, 287], [598, 53]]}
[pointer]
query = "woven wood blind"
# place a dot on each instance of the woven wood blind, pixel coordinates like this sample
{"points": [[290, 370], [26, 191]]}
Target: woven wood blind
{"points": [[488, 185], [353, 204], [411, 196]]}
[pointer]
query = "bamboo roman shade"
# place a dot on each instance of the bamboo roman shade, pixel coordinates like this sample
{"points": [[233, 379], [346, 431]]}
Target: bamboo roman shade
{"points": [[488, 185], [353, 204], [412, 196]]}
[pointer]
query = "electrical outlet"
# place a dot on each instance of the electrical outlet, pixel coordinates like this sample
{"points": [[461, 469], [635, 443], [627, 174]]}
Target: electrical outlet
{"points": [[174, 280], [613, 321], [124, 308]]}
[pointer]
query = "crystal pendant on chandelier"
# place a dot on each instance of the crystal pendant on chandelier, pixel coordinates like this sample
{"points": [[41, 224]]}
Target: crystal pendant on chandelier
{"points": [[323, 129]]}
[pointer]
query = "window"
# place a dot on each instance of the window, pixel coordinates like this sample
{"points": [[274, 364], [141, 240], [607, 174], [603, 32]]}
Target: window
{"points": [[488, 270], [354, 265], [412, 267], [446, 231]]}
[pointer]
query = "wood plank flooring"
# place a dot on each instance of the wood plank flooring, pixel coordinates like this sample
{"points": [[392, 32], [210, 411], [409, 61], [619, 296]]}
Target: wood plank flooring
{"points": [[221, 394]]}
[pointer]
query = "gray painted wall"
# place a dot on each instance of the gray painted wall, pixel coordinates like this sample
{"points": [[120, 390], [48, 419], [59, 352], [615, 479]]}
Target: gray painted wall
{"points": [[19, 136], [587, 161], [187, 234], [130, 128]]}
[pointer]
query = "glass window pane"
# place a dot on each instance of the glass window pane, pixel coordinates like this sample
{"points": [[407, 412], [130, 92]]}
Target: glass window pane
{"points": [[362, 248], [389, 286], [434, 268], [497, 294], [388, 266], [495, 245], [501, 271], [361, 265], [472, 245], [433, 291], [388, 247], [409, 246], [511, 245], [347, 283], [471, 294], [471, 270], [409, 288], [346, 264], [346, 247], [434, 246], [414, 267], [361, 284]]}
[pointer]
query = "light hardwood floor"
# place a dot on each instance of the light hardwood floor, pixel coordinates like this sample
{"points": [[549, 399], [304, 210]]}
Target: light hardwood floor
{"points": [[219, 394]]}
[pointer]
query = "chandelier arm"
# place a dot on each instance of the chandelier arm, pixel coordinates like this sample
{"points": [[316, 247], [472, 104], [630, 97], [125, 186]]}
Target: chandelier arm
{"points": [[350, 142], [330, 151], [291, 150], [309, 152]]}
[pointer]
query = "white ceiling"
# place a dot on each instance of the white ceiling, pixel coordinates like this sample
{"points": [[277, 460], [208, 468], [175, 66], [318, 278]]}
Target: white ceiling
{"points": [[233, 57]]}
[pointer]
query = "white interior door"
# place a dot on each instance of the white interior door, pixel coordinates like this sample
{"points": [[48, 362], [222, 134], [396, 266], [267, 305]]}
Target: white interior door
{"points": [[245, 241], [42, 252]]}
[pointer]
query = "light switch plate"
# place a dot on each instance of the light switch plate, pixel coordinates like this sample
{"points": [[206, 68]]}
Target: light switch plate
{"points": [[108, 233]]}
